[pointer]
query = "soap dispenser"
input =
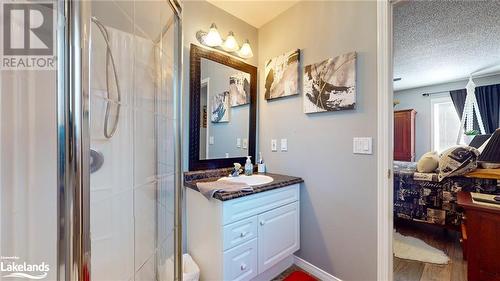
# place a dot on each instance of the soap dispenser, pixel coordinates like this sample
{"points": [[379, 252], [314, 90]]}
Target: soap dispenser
{"points": [[248, 167], [261, 167]]}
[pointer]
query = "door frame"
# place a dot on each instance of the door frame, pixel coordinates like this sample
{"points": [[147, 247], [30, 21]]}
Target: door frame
{"points": [[385, 136]]}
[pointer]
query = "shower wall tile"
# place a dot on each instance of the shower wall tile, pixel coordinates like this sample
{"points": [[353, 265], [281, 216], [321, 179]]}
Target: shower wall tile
{"points": [[144, 147], [117, 151], [147, 271], [145, 75], [148, 18], [145, 222], [166, 195], [112, 236], [165, 259], [122, 50]]}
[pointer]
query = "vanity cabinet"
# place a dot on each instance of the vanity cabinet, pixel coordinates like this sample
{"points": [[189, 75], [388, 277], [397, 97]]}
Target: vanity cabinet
{"points": [[247, 238]]}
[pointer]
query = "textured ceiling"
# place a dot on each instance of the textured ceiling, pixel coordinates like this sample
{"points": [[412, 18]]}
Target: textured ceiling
{"points": [[442, 41], [256, 12]]}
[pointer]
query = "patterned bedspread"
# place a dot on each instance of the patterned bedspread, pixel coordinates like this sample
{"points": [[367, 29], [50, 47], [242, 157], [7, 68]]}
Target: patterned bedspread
{"points": [[421, 197]]}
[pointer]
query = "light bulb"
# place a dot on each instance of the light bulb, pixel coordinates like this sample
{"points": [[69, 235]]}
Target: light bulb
{"points": [[213, 39], [245, 51], [230, 45]]}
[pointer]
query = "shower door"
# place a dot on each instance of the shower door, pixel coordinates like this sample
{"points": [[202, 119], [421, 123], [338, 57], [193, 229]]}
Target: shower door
{"points": [[133, 55]]}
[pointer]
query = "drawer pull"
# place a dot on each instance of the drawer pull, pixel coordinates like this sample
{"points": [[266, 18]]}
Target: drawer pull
{"points": [[243, 267], [262, 222], [243, 234]]}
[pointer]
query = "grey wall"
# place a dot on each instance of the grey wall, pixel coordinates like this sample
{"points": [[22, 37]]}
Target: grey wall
{"points": [[224, 133], [412, 98], [199, 15], [338, 199]]}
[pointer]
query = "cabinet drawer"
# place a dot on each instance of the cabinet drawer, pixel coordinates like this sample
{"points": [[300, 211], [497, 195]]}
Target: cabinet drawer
{"points": [[240, 232], [240, 263], [244, 207]]}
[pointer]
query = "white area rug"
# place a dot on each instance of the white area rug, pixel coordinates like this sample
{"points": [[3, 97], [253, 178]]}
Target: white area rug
{"points": [[411, 248]]}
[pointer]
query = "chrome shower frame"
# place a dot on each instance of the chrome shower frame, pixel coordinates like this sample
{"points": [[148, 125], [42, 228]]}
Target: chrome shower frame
{"points": [[73, 143]]}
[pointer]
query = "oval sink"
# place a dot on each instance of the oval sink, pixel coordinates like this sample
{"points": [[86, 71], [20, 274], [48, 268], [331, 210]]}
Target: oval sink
{"points": [[250, 180]]}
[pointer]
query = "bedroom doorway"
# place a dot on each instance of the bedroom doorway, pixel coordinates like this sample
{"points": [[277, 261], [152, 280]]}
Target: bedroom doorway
{"points": [[426, 77]]}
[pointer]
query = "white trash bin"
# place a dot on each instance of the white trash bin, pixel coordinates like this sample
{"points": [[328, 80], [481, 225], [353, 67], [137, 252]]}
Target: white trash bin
{"points": [[190, 270]]}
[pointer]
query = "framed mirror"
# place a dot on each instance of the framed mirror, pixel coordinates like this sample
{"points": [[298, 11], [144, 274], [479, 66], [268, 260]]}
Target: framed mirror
{"points": [[223, 108]]}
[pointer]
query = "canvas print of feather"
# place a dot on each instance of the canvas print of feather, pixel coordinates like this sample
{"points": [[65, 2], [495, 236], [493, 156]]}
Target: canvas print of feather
{"points": [[331, 84], [239, 89], [282, 75], [220, 108]]}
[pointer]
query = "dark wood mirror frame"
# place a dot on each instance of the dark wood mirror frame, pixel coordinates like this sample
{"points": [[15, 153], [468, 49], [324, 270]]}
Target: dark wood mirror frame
{"points": [[196, 54]]}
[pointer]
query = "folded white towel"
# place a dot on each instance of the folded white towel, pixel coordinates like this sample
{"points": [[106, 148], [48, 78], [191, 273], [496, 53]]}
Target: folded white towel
{"points": [[208, 189]]}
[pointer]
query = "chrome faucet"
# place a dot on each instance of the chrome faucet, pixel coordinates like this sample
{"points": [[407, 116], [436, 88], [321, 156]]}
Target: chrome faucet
{"points": [[235, 172]]}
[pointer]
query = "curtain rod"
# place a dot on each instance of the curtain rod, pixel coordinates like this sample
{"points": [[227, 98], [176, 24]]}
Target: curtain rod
{"points": [[434, 93]]}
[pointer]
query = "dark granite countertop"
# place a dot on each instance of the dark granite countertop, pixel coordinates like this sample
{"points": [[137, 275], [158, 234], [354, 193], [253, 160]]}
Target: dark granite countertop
{"points": [[191, 178]]}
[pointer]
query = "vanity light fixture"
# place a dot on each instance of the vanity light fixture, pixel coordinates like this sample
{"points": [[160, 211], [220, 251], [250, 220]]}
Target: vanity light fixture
{"points": [[213, 39], [230, 45], [246, 51]]}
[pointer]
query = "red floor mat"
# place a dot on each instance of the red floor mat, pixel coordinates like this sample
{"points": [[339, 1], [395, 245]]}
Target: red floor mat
{"points": [[299, 276]]}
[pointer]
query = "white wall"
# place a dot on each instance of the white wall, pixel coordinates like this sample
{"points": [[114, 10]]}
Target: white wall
{"points": [[338, 198], [413, 98]]}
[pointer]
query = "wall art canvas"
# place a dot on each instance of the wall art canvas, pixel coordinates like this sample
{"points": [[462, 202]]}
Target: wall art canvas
{"points": [[282, 75], [239, 88], [331, 84], [220, 108]]}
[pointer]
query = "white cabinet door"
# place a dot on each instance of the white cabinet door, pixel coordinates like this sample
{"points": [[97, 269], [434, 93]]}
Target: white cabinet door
{"points": [[278, 235]]}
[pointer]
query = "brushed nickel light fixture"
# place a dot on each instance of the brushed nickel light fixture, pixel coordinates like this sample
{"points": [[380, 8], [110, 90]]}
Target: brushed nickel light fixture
{"points": [[213, 39]]}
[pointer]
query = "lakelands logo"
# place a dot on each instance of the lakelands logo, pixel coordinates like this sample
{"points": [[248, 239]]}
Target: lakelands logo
{"points": [[28, 35], [12, 267]]}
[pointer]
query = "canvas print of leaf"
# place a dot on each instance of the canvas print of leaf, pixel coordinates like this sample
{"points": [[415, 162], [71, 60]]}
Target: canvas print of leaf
{"points": [[331, 84], [282, 75], [220, 108], [239, 88]]}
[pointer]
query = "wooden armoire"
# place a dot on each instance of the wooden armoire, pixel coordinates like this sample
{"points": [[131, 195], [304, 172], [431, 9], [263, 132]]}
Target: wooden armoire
{"points": [[404, 135]]}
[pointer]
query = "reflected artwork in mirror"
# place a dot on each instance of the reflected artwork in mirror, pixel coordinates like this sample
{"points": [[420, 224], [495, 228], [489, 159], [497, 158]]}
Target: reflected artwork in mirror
{"points": [[222, 110]]}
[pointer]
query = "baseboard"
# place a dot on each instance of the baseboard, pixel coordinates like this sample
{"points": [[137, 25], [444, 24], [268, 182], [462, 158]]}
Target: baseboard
{"points": [[276, 269], [314, 270]]}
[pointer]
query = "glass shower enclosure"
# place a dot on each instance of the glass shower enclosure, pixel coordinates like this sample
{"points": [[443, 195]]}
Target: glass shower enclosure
{"points": [[90, 146]]}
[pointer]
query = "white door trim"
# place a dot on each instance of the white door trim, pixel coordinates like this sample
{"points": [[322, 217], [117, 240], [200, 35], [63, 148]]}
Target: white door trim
{"points": [[385, 140]]}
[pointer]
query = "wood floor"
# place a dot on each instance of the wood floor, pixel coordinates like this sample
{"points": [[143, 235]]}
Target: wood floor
{"points": [[446, 240]]}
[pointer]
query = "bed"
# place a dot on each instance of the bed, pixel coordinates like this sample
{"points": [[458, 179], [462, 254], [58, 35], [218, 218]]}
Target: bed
{"points": [[421, 197]]}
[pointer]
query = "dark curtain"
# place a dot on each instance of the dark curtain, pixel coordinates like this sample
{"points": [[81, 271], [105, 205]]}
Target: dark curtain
{"points": [[488, 100]]}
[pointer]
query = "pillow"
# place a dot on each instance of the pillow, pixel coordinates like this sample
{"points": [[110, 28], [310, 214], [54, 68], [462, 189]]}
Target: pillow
{"points": [[428, 163], [458, 160]]}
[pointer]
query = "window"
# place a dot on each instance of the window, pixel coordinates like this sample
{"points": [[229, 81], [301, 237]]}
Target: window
{"points": [[445, 123]]}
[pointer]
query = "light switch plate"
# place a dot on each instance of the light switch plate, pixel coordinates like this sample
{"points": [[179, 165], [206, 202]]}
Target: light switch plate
{"points": [[362, 145], [211, 140], [238, 142], [274, 145], [284, 145], [245, 143]]}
